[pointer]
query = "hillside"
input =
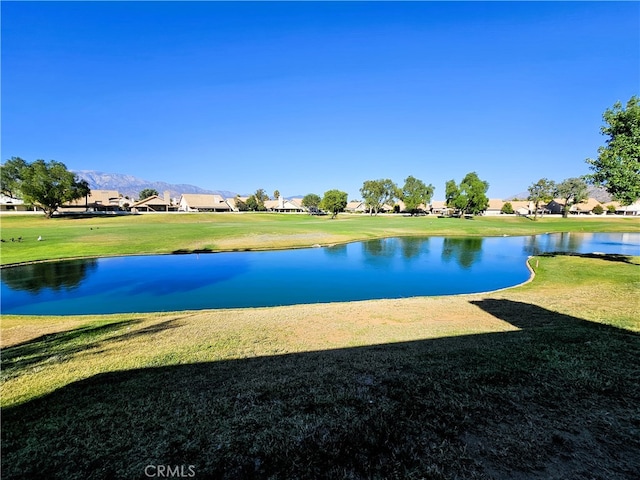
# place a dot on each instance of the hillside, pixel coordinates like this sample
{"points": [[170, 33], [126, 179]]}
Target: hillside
{"points": [[130, 186]]}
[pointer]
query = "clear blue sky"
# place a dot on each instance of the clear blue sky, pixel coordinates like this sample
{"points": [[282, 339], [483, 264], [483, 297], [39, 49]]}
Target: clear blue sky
{"points": [[305, 97]]}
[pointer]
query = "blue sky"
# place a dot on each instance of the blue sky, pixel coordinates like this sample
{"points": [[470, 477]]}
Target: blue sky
{"points": [[308, 96]]}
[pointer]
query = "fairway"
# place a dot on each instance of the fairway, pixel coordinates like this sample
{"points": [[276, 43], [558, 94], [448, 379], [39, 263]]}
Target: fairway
{"points": [[182, 233]]}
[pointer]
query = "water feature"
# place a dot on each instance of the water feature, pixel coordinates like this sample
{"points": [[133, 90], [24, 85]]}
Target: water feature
{"points": [[385, 268]]}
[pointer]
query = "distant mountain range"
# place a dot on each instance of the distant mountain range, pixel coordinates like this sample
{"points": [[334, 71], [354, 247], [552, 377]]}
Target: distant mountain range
{"points": [[131, 186]]}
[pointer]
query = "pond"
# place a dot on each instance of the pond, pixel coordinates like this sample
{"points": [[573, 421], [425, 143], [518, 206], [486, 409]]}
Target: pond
{"points": [[385, 268]]}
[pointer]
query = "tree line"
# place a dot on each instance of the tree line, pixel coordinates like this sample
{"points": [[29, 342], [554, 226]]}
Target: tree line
{"points": [[50, 185]]}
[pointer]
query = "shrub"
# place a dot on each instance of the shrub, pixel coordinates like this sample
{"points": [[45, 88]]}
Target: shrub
{"points": [[598, 210], [507, 208]]}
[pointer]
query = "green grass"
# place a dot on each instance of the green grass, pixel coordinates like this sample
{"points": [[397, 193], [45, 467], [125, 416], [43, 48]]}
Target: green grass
{"points": [[168, 233], [538, 381]]}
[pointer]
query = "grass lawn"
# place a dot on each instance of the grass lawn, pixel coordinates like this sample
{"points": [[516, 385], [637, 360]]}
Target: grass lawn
{"points": [[536, 382], [167, 233]]}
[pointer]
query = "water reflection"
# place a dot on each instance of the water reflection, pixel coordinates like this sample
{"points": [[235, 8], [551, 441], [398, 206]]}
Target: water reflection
{"points": [[466, 251], [556, 242], [56, 276], [413, 247]]}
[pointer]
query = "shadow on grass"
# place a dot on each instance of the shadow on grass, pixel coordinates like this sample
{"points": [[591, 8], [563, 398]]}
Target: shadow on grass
{"points": [[556, 399], [611, 257], [57, 347]]}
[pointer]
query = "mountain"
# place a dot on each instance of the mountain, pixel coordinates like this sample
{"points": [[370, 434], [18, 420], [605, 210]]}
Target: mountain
{"points": [[598, 193], [130, 186]]}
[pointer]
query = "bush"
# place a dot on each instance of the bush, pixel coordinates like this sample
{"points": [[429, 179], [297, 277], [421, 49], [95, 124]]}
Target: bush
{"points": [[611, 209], [507, 208], [598, 210]]}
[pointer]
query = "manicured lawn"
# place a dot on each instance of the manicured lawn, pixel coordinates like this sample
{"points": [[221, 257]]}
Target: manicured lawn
{"points": [[538, 381], [167, 233]]}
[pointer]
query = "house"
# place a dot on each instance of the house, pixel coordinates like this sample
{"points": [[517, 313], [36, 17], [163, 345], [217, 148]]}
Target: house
{"points": [[495, 207], [10, 204], [96, 201], [283, 205], [633, 209], [439, 207], [195, 202], [585, 207], [523, 207], [154, 203], [356, 206]]}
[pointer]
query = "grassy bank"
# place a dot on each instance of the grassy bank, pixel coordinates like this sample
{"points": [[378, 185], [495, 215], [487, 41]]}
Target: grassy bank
{"points": [[539, 381], [167, 233]]}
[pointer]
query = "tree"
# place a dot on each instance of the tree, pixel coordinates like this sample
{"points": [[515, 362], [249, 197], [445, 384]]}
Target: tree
{"points": [[572, 191], [311, 201], [11, 176], [470, 197], [50, 185], [256, 201], [146, 193], [240, 205], [617, 167], [377, 193], [334, 201], [276, 194], [541, 191], [507, 208], [415, 192]]}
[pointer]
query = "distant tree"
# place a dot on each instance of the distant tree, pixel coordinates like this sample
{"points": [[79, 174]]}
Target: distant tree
{"points": [[311, 200], [240, 205], [539, 192], [415, 192], [11, 176], [507, 208], [334, 201], [617, 167], [50, 185], [251, 203], [146, 193], [470, 197], [377, 193], [276, 194], [571, 191], [255, 202]]}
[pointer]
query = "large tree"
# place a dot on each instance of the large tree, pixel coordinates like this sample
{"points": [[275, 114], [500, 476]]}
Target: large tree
{"points": [[377, 193], [147, 192], [50, 185], [617, 167], [311, 201], [334, 201], [415, 192], [11, 176], [572, 191], [539, 192], [470, 197]]}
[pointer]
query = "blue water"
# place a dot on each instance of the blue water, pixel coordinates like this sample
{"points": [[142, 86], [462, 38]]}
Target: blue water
{"points": [[387, 268]]}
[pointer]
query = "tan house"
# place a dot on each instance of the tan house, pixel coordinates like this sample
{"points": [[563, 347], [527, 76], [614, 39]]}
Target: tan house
{"points": [[195, 202], [96, 201], [154, 203], [283, 205], [633, 209], [495, 207], [356, 206], [439, 207]]}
